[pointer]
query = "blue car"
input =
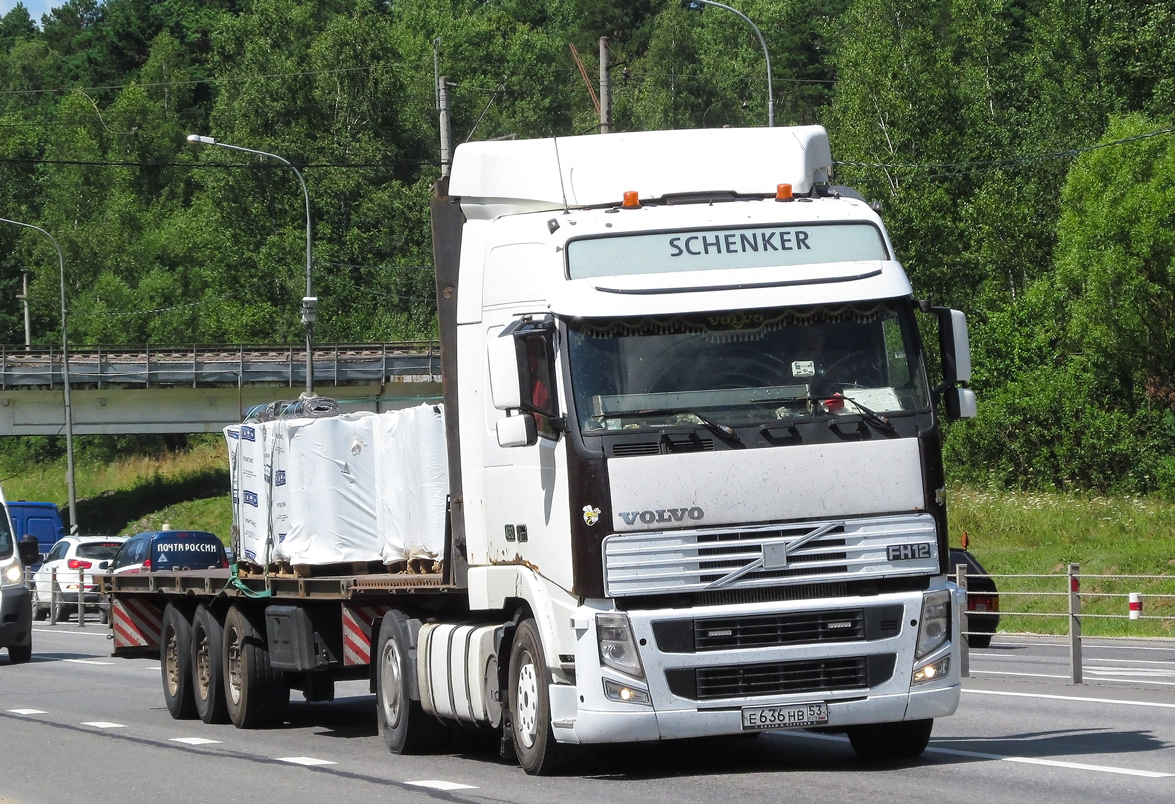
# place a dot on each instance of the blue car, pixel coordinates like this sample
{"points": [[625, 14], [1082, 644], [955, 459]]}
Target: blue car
{"points": [[163, 550]]}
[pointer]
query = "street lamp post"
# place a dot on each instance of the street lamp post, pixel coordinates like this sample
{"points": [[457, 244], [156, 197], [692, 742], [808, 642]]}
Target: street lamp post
{"points": [[309, 302], [69, 470], [695, 5]]}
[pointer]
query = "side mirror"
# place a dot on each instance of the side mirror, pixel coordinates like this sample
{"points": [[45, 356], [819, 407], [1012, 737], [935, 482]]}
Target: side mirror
{"points": [[960, 403], [517, 431], [954, 345], [30, 551], [505, 378]]}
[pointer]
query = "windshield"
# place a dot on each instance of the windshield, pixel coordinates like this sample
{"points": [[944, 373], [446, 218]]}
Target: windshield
{"points": [[98, 550], [746, 367]]}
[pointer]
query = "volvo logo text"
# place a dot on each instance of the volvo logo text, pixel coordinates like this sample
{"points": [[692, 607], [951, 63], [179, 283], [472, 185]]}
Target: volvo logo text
{"points": [[662, 515]]}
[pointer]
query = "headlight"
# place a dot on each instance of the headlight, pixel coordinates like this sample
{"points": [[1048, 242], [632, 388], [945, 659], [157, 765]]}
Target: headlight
{"points": [[12, 575], [617, 647], [935, 625], [932, 671]]}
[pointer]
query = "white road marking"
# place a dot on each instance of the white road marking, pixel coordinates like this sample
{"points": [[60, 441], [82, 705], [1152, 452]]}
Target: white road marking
{"points": [[1095, 672], [441, 785], [1166, 662], [1053, 763], [104, 724], [305, 761], [1147, 672], [1086, 644], [86, 661], [103, 632], [194, 740], [28, 711], [1071, 698], [1000, 673]]}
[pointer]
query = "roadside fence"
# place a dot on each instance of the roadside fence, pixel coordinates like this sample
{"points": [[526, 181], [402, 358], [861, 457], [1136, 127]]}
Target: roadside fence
{"points": [[1065, 604]]}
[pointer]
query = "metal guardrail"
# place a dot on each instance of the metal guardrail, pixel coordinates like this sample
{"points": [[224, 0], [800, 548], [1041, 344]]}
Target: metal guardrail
{"points": [[152, 366], [1131, 604]]}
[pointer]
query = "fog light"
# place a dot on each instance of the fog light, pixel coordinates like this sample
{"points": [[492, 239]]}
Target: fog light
{"points": [[932, 671], [625, 694]]}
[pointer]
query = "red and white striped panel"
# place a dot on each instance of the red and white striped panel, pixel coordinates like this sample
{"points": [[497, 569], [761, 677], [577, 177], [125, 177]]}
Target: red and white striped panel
{"points": [[357, 635], [137, 622]]}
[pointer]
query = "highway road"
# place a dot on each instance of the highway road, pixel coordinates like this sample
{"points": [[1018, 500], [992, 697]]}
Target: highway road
{"points": [[79, 725]]}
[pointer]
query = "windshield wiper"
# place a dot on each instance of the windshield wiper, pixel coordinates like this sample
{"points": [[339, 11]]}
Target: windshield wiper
{"points": [[871, 416], [716, 427]]}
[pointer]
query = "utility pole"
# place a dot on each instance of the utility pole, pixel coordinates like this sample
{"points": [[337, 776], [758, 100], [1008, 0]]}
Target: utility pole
{"points": [[24, 301], [446, 134], [605, 89]]}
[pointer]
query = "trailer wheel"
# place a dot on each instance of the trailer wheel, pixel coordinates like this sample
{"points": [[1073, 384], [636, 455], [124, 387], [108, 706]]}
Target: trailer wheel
{"points": [[530, 706], [880, 741], [256, 695], [176, 664], [404, 725], [208, 667]]}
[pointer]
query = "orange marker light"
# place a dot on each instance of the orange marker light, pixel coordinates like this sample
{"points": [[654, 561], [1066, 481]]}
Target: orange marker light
{"points": [[783, 192], [631, 199]]}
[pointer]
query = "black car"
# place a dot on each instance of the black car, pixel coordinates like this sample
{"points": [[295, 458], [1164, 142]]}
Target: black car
{"points": [[983, 599]]}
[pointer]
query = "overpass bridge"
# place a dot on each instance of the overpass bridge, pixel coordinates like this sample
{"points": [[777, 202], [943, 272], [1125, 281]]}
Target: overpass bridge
{"points": [[201, 389]]}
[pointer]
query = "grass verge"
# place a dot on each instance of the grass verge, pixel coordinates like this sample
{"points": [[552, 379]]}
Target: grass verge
{"points": [[1039, 535]]}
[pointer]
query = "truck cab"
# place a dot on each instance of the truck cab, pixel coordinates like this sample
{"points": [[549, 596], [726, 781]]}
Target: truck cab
{"points": [[697, 451]]}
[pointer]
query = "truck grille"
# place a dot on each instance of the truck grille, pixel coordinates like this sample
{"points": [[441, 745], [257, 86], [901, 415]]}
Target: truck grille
{"points": [[781, 678], [774, 630], [658, 562]]}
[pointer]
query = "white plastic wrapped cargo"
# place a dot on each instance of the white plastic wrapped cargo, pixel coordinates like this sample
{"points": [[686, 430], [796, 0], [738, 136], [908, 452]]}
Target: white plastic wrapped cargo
{"points": [[413, 481], [249, 465], [329, 490]]}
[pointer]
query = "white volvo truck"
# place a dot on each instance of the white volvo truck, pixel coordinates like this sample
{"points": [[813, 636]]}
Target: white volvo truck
{"points": [[695, 472]]}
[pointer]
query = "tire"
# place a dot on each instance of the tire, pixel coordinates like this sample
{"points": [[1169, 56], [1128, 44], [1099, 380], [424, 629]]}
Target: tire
{"points": [[255, 694], [978, 640], [402, 722], [881, 741], [208, 667], [176, 664], [40, 613], [530, 706], [63, 610], [19, 654]]}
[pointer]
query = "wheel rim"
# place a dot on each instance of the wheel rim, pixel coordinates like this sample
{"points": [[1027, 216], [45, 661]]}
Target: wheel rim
{"points": [[391, 688], [526, 700], [172, 664], [234, 680], [203, 665]]}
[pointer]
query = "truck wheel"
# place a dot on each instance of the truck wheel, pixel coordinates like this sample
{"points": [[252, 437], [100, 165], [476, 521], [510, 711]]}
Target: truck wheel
{"points": [[881, 741], [530, 706], [402, 722], [19, 654], [208, 667], [255, 694], [174, 647]]}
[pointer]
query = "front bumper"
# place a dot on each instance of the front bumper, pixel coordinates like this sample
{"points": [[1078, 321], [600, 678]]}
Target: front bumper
{"points": [[16, 616], [882, 692], [590, 726]]}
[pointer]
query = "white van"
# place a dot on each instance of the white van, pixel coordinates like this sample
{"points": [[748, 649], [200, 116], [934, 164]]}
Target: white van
{"points": [[16, 609]]}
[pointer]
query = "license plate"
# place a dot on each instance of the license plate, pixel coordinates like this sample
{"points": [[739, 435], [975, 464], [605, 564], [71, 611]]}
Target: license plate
{"points": [[796, 716]]}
